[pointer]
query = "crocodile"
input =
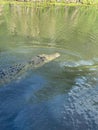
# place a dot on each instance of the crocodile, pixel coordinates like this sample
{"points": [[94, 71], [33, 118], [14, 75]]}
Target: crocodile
{"points": [[15, 71]]}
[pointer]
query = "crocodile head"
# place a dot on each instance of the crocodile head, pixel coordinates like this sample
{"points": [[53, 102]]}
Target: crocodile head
{"points": [[43, 58], [48, 58]]}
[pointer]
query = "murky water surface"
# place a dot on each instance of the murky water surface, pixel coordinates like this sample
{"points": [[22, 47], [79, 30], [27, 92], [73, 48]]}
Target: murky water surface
{"points": [[60, 95]]}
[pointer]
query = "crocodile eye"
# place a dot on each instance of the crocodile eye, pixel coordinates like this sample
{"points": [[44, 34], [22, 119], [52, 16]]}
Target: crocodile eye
{"points": [[31, 62], [42, 58]]}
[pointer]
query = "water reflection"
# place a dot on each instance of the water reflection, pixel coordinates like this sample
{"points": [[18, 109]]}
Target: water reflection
{"points": [[61, 81], [62, 94], [57, 99], [65, 28]]}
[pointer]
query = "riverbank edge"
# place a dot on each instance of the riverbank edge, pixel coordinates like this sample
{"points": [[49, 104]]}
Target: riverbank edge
{"points": [[45, 3]]}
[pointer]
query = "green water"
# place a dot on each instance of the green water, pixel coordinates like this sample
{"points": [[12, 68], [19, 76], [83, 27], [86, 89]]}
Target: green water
{"points": [[63, 94], [69, 28]]}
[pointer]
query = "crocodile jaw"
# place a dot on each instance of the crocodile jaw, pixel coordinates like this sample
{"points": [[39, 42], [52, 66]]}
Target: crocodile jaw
{"points": [[40, 60]]}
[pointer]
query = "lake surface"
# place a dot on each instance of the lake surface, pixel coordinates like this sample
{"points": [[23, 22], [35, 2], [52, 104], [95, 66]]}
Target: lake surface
{"points": [[63, 94]]}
